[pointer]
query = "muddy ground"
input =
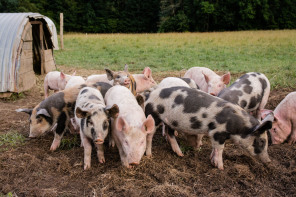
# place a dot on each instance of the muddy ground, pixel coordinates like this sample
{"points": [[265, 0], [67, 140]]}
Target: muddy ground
{"points": [[30, 169]]}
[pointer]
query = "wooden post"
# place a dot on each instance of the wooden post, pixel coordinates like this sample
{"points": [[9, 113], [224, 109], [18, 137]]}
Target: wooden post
{"points": [[61, 30], [42, 48]]}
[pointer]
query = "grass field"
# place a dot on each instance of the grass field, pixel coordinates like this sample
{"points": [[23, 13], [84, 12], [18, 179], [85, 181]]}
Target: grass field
{"points": [[269, 52]]}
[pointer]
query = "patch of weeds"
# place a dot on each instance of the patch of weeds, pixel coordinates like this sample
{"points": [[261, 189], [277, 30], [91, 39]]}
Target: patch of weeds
{"points": [[15, 96], [69, 143], [185, 148], [11, 139]]}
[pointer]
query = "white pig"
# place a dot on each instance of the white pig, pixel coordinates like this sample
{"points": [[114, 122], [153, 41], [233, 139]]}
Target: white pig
{"points": [[56, 81], [74, 81], [130, 128], [284, 124], [207, 80]]}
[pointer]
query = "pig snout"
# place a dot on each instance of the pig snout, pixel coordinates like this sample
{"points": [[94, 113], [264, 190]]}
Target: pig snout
{"points": [[99, 141], [127, 81], [264, 157], [133, 164]]}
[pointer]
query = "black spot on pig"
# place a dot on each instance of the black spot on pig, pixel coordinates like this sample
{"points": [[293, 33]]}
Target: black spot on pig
{"points": [[56, 100], [243, 104], [94, 97], [82, 86], [259, 144], [149, 111], [235, 124], [91, 106], [82, 123], [93, 133], [187, 80], [231, 96], [84, 91], [212, 126], [248, 89], [179, 99], [160, 109], [253, 74], [95, 113], [221, 137], [88, 121], [146, 95], [85, 105], [171, 131], [175, 123], [61, 123], [204, 115], [195, 124], [253, 102], [104, 87], [263, 84]]}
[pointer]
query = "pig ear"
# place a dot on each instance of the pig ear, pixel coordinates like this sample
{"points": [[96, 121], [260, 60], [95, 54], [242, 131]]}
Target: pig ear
{"points": [[148, 125], [62, 75], [74, 73], [140, 100], [266, 124], [109, 73], [264, 113], [121, 124], [125, 68], [206, 77], [226, 78], [147, 72], [80, 113], [28, 111], [112, 112], [43, 112]]}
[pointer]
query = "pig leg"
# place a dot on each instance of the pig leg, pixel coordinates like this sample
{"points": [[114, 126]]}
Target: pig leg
{"points": [[149, 144], [199, 140], [100, 153], [111, 142], [216, 155], [62, 122], [87, 151], [292, 138], [172, 140], [56, 142], [46, 91]]}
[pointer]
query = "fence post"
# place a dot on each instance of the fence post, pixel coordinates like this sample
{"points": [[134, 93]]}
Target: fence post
{"points": [[61, 30]]}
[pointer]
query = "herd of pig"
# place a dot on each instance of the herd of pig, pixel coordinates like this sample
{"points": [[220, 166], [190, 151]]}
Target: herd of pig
{"points": [[128, 108]]}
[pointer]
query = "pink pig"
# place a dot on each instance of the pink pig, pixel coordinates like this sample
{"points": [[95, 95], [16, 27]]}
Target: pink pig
{"points": [[56, 81], [143, 81], [207, 80], [284, 124], [130, 128]]}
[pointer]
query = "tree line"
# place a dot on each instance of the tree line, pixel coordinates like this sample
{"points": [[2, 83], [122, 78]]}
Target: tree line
{"points": [[138, 16]]}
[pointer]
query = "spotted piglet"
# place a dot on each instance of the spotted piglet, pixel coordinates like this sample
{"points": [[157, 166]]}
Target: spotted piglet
{"points": [[195, 112], [54, 112], [130, 128], [250, 92], [92, 116]]}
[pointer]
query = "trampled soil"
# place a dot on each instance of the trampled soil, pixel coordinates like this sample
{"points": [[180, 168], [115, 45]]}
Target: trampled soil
{"points": [[31, 169]]}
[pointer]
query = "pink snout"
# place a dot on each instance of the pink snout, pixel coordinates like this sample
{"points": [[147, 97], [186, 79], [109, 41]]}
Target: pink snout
{"points": [[131, 165], [99, 141], [127, 81]]}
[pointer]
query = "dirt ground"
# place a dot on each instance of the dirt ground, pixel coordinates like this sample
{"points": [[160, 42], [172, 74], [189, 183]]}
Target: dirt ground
{"points": [[32, 170]]}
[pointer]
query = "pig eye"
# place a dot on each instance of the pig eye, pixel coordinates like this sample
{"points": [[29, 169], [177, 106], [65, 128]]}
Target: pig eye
{"points": [[118, 77], [105, 125], [39, 119]]}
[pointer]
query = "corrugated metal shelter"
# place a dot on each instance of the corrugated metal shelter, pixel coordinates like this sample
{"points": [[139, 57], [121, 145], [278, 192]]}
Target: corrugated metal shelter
{"points": [[27, 41]]}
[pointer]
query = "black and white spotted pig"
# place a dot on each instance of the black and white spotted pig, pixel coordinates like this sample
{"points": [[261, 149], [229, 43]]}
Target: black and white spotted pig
{"points": [[195, 112], [55, 112], [92, 116], [250, 92]]}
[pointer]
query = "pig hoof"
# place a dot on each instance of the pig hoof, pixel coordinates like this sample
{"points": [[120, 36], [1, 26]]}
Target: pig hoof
{"points": [[180, 154], [102, 160], [86, 167]]}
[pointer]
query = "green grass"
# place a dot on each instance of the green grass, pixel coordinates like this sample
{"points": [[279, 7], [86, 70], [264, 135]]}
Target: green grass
{"points": [[269, 52], [11, 139], [70, 142]]}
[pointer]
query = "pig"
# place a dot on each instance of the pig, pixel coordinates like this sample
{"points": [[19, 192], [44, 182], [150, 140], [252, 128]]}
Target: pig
{"points": [[250, 92], [207, 80], [112, 77], [56, 111], [195, 112], [74, 81], [56, 81], [284, 124], [92, 116], [130, 128], [141, 82]]}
